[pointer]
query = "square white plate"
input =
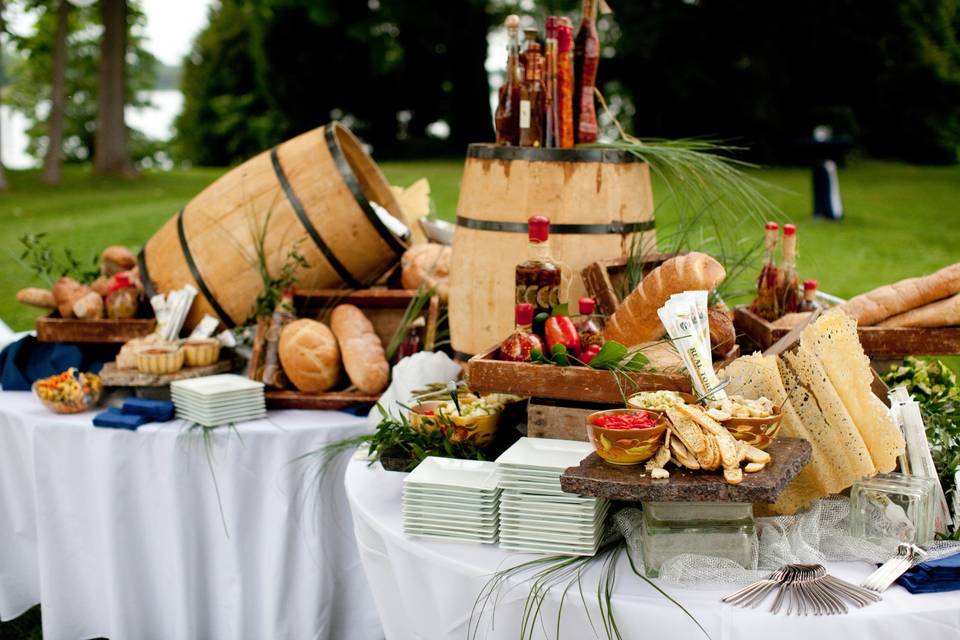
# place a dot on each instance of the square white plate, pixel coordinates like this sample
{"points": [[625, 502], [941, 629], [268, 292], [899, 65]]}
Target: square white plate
{"points": [[443, 504], [446, 538], [545, 496], [476, 475], [211, 385], [513, 473], [199, 411], [226, 415], [545, 454], [473, 532], [522, 520], [554, 534], [458, 521], [451, 494], [525, 485], [486, 526], [548, 549], [242, 401], [560, 517]]}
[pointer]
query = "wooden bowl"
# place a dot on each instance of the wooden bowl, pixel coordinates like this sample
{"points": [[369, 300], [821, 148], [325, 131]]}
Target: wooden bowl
{"points": [[626, 447], [759, 432], [478, 429]]}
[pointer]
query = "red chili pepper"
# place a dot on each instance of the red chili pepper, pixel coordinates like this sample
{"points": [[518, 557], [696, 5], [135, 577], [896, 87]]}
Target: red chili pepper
{"points": [[561, 330]]}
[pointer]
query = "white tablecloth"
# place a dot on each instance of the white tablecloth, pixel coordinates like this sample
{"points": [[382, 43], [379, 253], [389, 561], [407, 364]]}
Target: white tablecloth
{"points": [[119, 534], [424, 590]]}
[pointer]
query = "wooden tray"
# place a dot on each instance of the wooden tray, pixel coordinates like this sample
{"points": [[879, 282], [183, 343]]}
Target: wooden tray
{"points": [[53, 328], [878, 342], [384, 308], [486, 374], [594, 477], [113, 377], [604, 279]]}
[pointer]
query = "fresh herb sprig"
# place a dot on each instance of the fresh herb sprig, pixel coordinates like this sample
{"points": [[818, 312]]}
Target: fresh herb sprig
{"points": [[44, 261]]}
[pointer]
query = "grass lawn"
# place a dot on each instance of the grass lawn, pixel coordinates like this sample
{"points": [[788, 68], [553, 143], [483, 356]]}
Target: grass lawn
{"points": [[902, 220]]}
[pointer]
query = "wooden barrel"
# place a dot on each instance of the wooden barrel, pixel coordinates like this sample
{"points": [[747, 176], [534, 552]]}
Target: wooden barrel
{"points": [[596, 199], [311, 193]]}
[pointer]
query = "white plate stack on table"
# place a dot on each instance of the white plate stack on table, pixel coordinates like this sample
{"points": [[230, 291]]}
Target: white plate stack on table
{"points": [[213, 401], [452, 500], [535, 514]]}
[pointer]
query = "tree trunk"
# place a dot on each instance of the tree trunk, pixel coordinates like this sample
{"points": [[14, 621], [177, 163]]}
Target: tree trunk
{"points": [[3, 30], [53, 162], [111, 155]]}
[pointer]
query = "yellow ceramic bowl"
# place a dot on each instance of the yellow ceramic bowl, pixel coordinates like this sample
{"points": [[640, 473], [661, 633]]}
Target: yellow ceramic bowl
{"points": [[759, 432], [160, 360], [201, 352], [626, 446], [478, 429]]}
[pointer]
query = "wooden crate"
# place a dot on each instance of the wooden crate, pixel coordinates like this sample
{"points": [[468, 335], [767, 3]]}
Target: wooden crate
{"points": [[559, 421], [878, 343], [384, 308], [53, 328], [604, 279]]}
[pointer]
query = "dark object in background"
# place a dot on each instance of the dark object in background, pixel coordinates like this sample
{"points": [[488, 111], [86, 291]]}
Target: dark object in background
{"points": [[27, 360], [825, 151]]}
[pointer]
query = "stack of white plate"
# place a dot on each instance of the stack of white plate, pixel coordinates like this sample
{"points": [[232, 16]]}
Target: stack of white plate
{"points": [[535, 514], [452, 500], [218, 400]]}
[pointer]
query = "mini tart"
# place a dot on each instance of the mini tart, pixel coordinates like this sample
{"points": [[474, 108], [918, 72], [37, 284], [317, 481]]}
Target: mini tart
{"points": [[201, 352], [160, 360]]}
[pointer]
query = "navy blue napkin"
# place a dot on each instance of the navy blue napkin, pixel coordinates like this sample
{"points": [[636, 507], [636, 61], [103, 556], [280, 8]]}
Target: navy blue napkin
{"points": [[115, 419], [154, 410], [933, 576], [25, 361]]}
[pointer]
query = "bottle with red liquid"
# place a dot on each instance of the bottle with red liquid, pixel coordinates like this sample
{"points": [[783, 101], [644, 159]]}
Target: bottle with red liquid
{"points": [[809, 296], [765, 304], [788, 283], [586, 59], [565, 83], [520, 344], [507, 117], [538, 278], [587, 325], [532, 98]]}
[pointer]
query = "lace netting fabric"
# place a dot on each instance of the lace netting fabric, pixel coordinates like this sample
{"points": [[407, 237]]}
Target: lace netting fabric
{"points": [[815, 536]]}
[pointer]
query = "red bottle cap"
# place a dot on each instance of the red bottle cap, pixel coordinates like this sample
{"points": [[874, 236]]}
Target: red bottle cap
{"points": [[587, 305], [552, 26], [524, 313], [565, 35], [809, 284], [789, 229], [121, 281], [538, 228], [771, 226]]}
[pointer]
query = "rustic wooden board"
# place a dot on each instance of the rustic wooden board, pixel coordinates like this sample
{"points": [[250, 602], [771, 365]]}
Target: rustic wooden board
{"points": [[551, 419], [594, 477], [604, 278], [486, 374], [113, 377], [53, 328], [330, 401], [877, 342]]}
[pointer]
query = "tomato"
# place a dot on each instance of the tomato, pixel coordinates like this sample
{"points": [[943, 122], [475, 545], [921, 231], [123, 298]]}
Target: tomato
{"points": [[589, 353], [561, 330]]}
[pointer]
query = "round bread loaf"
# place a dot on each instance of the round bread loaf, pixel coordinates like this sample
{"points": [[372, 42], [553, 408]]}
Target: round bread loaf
{"points": [[427, 264], [115, 259], [309, 355]]}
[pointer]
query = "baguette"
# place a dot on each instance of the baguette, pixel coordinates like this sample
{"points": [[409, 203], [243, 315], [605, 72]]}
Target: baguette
{"points": [[360, 348], [892, 299], [943, 313], [636, 320], [34, 297]]}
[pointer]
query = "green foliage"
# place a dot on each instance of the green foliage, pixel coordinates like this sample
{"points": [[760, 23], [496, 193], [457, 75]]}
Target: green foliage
{"points": [[42, 259], [32, 71], [394, 437]]}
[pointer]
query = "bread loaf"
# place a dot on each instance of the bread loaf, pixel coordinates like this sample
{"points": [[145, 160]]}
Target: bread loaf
{"points": [[636, 320], [89, 306], [34, 297], [889, 300], [66, 291], [116, 259], [362, 351], [943, 313], [429, 265], [309, 355], [723, 335]]}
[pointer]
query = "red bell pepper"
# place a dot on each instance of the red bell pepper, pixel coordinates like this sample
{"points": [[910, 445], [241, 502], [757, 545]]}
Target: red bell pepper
{"points": [[561, 330], [589, 353]]}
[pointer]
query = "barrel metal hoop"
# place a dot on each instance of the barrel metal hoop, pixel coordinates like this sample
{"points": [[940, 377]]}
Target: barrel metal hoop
{"points": [[539, 154], [195, 272], [148, 287], [584, 229], [297, 206], [350, 179]]}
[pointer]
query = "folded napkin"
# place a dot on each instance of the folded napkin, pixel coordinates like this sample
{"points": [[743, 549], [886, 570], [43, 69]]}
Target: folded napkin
{"points": [[154, 410], [933, 576], [116, 419]]}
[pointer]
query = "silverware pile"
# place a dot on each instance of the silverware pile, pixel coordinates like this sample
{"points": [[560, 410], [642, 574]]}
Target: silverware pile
{"points": [[803, 589], [907, 556]]}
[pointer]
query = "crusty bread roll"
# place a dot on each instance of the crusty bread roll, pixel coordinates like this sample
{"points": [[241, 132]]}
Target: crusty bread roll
{"points": [[943, 313], [101, 285], [116, 259], [427, 264], [89, 306], [66, 291], [723, 335], [889, 300], [309, 355], [636, 320], [35, 297], [362, 351]]}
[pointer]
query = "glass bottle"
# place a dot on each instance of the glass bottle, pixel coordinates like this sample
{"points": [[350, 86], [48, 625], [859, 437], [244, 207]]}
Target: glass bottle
{"points": [[272, 375], [520, 344], [539, 277], [809, 296], [550, 84], [122, 300], [507, 117], [765, 304], [586, 58], [565, 83], [789, 283], [587, 325], [530, 36], [531, 100]]}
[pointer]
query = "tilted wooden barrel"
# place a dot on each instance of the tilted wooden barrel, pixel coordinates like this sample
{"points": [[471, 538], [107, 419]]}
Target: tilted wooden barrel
{"points": [[311, 193], [596, 199]]}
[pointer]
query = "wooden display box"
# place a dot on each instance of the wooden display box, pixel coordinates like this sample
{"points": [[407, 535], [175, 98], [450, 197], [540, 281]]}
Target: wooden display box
{"points": [[559, 420], [384, 308], [53, 328], [878, 343], [604, 279]]}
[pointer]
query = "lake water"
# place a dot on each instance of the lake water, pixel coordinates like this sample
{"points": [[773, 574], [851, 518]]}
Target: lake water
{"points": [[155, 121]]}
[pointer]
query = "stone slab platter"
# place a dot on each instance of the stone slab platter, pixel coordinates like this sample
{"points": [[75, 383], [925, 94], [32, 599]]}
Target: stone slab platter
{"points": [[113, 377], [594, 477]]}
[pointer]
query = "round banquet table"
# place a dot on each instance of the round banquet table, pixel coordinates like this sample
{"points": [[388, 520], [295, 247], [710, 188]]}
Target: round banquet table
{"points": [[119, 534], [425, 589]]}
